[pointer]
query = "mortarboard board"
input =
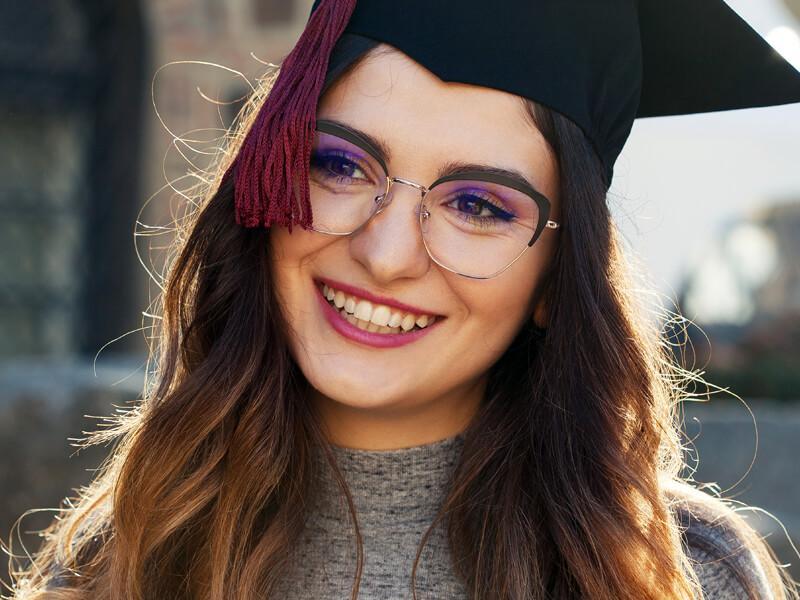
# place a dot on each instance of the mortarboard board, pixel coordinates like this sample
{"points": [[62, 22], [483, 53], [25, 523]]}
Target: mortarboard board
{"points": [[600, 63]]}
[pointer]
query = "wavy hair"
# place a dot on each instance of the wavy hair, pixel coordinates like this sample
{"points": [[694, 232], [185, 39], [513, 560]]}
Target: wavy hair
{"points": [[561, 490]]}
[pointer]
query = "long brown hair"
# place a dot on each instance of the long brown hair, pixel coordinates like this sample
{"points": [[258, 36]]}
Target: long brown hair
{"points": [[561, 490]]}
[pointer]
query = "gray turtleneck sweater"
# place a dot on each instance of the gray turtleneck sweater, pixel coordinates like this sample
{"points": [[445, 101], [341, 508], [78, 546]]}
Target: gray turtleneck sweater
{"points": [[396, 495]]}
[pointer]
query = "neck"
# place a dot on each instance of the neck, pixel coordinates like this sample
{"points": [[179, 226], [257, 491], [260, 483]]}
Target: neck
{"points": [[399, 424]]}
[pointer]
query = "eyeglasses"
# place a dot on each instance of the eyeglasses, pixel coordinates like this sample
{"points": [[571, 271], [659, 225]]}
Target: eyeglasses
{"points": [[475, 223]]}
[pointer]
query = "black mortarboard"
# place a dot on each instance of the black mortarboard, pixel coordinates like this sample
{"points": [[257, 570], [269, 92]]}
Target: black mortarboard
{"points": [[601, 63]]}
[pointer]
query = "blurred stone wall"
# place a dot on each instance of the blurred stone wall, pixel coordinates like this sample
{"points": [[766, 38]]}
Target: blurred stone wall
{"points": [[43, 406]]}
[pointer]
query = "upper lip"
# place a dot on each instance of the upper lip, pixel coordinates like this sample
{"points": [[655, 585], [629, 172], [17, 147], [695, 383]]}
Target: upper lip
{"points": [[355, 291]]}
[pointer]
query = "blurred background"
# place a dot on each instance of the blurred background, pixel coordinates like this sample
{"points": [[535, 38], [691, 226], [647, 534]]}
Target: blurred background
{"points": [[709, 207]]}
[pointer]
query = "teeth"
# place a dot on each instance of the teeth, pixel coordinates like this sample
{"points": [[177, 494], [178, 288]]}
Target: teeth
{"points": [[363, 310], [367, 326], [380, 316], [338, 299], [397, 318], [408, 322], [374, 317]]}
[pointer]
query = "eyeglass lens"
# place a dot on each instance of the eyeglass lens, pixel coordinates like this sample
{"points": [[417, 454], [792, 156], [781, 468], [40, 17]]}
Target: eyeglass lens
{"points": [[476, 228]]}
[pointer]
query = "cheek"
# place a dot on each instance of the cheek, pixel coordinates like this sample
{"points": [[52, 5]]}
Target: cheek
{"points": [[494, 311], [501, 309], [287, 249], [498, 308], [291, 257]]}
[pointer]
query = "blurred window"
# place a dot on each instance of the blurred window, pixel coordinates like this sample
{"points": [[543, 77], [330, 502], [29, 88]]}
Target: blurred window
{"points": [[272, 12], [70, 73]]}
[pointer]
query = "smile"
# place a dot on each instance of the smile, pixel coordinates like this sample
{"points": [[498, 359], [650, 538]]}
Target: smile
{"points": [[372, 317], [371, 323]]}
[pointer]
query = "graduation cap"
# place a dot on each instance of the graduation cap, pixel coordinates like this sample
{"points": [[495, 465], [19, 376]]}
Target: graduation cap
{"points": [[600, 63]]}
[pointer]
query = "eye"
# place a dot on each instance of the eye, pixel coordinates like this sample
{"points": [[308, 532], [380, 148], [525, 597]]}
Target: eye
{"points": [[338, 166], [474, 206]]}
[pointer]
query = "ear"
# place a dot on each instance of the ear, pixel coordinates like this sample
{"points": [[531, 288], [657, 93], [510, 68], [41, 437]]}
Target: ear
{"points": [[538, 310]]}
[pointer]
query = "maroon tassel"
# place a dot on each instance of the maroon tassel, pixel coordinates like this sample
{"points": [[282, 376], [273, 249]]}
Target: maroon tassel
{"points": [[271, 169]]}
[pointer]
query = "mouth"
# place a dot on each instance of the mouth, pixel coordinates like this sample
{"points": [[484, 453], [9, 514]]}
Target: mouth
{"points": [[374, 317]]}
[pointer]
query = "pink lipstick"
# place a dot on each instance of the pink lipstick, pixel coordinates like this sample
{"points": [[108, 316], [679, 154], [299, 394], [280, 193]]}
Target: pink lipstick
{"points": [[374, 339]]}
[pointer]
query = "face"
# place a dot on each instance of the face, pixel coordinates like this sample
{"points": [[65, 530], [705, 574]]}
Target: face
{"points": [[385, 396]]}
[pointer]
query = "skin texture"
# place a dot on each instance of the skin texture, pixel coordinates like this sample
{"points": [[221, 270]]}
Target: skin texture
{"points": [[428, 390]]}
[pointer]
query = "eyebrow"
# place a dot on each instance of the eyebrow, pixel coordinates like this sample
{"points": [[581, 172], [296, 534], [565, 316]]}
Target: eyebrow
{"points": [[449, 168]]}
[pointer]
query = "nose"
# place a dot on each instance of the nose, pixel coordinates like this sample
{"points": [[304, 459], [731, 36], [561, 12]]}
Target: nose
{"points": [[390, 245]]}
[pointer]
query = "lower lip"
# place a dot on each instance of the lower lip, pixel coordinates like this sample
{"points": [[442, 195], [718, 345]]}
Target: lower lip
{"points": [[376, 340]]}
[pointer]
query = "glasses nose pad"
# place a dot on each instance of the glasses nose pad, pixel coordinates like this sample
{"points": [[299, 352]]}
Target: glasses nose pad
{"points": [[379, 202], [382, 200], [424, 216]]}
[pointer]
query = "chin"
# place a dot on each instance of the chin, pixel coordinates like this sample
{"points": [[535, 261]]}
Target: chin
{"points": [[359, 392]]}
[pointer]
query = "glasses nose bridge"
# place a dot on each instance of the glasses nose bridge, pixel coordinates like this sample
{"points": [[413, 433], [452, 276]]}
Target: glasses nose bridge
{"points": [[392, 180]]}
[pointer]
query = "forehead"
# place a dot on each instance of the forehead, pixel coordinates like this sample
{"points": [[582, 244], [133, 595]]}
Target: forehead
{"points": [[425, 121]]}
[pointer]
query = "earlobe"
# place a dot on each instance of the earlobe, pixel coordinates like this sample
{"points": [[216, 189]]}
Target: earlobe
{"points": [[537, 309], [540, 315]]}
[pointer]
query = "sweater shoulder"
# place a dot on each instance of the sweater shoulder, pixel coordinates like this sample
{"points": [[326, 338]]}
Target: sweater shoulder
{"points": [[730, 558]]}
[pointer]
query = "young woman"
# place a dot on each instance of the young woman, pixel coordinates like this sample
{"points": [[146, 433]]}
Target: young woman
{"points": [[438, 387]]}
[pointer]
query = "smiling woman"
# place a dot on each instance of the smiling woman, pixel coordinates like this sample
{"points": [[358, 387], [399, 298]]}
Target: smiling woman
{"points": [[440, 384]]}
